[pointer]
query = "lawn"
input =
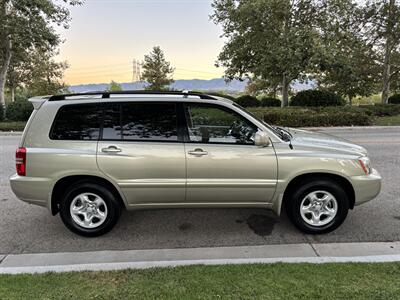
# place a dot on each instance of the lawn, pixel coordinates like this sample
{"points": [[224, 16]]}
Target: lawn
{"points": [[276, 281]]}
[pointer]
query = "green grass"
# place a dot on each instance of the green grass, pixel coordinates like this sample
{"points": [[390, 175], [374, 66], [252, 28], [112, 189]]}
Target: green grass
{"points": [[276, 281], [12, 126], [388, 121]]}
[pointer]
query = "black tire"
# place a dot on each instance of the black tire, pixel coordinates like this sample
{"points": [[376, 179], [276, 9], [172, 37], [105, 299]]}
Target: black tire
{"points": [[305, 188], [110, 200]]}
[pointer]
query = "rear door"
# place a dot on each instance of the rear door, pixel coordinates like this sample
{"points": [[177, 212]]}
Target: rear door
{"points": [[223, 164], [141, 151]]}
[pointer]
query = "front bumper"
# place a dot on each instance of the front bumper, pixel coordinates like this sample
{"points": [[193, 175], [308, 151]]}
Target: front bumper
{"points": [[366, 187], [34, 190]]}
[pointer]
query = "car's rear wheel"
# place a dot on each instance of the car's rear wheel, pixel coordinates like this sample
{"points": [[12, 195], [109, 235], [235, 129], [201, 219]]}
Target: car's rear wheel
{"points": [[89, 209], [318, 206]]}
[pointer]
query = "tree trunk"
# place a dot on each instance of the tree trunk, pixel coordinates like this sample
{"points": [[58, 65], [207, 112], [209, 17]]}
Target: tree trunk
{"points": [[4, 69], [285, 92], [386, 76], [350, 100], [388, 53], [12, 92]]}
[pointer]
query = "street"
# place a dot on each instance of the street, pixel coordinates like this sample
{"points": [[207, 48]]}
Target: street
{"points": [[26, 228]]}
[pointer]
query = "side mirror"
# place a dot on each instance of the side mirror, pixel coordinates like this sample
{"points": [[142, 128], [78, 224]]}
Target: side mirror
{"points": [[261, 139]]}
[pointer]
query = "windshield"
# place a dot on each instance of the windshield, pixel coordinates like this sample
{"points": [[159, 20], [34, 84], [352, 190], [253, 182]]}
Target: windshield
{"points": [[283, 134]]}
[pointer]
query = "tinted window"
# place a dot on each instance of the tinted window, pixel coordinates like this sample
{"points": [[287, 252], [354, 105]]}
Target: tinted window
{"points": [[141, 121], [77, 122], [211, 124], [112, 122]]}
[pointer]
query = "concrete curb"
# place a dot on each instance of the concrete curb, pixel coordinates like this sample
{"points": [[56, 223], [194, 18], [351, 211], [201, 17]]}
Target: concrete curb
{"points": [[171, 264], [140, 259]]}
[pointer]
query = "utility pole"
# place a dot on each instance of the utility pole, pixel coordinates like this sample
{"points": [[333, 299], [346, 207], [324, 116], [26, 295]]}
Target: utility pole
{"points": [[135, 70]]}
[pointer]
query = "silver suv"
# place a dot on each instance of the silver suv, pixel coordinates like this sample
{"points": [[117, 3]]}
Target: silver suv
{"points": [[88, 156]]}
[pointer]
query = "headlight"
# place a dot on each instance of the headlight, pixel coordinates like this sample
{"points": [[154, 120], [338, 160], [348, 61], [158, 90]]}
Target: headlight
{"points": [[365, 164]]}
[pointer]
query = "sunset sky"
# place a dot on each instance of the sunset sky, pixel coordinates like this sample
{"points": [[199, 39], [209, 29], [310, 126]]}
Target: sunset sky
{"points": [[106, 35]]}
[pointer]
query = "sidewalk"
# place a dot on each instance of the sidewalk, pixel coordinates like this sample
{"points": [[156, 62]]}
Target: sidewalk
{"points": [[139, 259]]}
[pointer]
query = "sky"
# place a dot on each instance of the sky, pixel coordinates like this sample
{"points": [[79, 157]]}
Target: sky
{"points": [[106, 35]]}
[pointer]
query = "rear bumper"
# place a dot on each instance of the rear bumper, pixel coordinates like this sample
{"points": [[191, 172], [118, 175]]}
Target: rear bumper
{"points": [[366, 187], [33, 190]]}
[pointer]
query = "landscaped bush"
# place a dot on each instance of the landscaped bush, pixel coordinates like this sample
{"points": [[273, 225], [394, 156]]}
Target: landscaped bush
{"points": [[12, 126], [270, 102], [19, 110], [395, 99], [381, 110], [248, 101], [313, 117], [1, 112], [317, 98]]}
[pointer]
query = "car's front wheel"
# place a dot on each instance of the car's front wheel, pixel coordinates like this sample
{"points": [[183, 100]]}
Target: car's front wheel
{"points": [[89, 209], [318, 206]]}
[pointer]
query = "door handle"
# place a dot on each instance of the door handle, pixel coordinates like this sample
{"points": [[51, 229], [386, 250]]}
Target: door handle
{"points": [[111, 149], [198, 152]]}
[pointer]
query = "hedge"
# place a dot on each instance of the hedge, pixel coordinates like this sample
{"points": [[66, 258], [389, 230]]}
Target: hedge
{"points": [[313, 117], [12, 126], [317, 98], [394, 99], [270, 102], [19, 110], [248, 101], [380, 110]]}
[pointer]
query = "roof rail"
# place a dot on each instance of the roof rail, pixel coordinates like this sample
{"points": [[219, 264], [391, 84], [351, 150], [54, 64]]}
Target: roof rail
{"points": [[106, 94]]}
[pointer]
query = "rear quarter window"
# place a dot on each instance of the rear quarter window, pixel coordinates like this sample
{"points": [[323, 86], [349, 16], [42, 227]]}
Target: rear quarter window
{"points": [[76, 122]]}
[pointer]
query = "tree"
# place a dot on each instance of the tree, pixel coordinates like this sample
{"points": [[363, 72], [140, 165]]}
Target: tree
{"points": [[382, 28], [156, 70], [348, 66], [274, 40], [114, 87], [257, 86], [27, 26], [45, 74]]}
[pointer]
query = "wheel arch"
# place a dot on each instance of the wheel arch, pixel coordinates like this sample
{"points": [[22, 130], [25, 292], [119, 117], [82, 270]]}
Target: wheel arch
{"points": [[307, 177], [63, 183]]}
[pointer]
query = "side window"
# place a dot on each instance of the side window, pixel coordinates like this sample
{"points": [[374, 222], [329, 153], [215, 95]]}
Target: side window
{"points": [[212, 124], [76, 122], [141, 121]]}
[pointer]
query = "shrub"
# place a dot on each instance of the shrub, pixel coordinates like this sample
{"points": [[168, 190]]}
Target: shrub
{"points": [[394, 99], [12, 126], [270, 102], [381, 110], [19, 110], [248, 101], [314, 117], [317, 98], [1, 112]]}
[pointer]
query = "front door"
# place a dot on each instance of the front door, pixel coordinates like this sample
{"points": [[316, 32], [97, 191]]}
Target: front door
{"points": [[223, 164], [140, 150]]}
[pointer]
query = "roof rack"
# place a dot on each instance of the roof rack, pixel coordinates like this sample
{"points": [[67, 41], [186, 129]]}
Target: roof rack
{"points": [[106, 94]]}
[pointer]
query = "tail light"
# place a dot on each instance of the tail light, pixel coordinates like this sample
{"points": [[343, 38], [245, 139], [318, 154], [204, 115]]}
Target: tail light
{"points": [[20, 161]]}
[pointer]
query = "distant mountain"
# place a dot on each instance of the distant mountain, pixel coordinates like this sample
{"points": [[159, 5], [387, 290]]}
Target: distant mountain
{"points": [[217, 84]]}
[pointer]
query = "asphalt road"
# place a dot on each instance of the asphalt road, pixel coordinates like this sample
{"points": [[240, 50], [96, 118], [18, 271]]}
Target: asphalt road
{"points": [[26, 228]]}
